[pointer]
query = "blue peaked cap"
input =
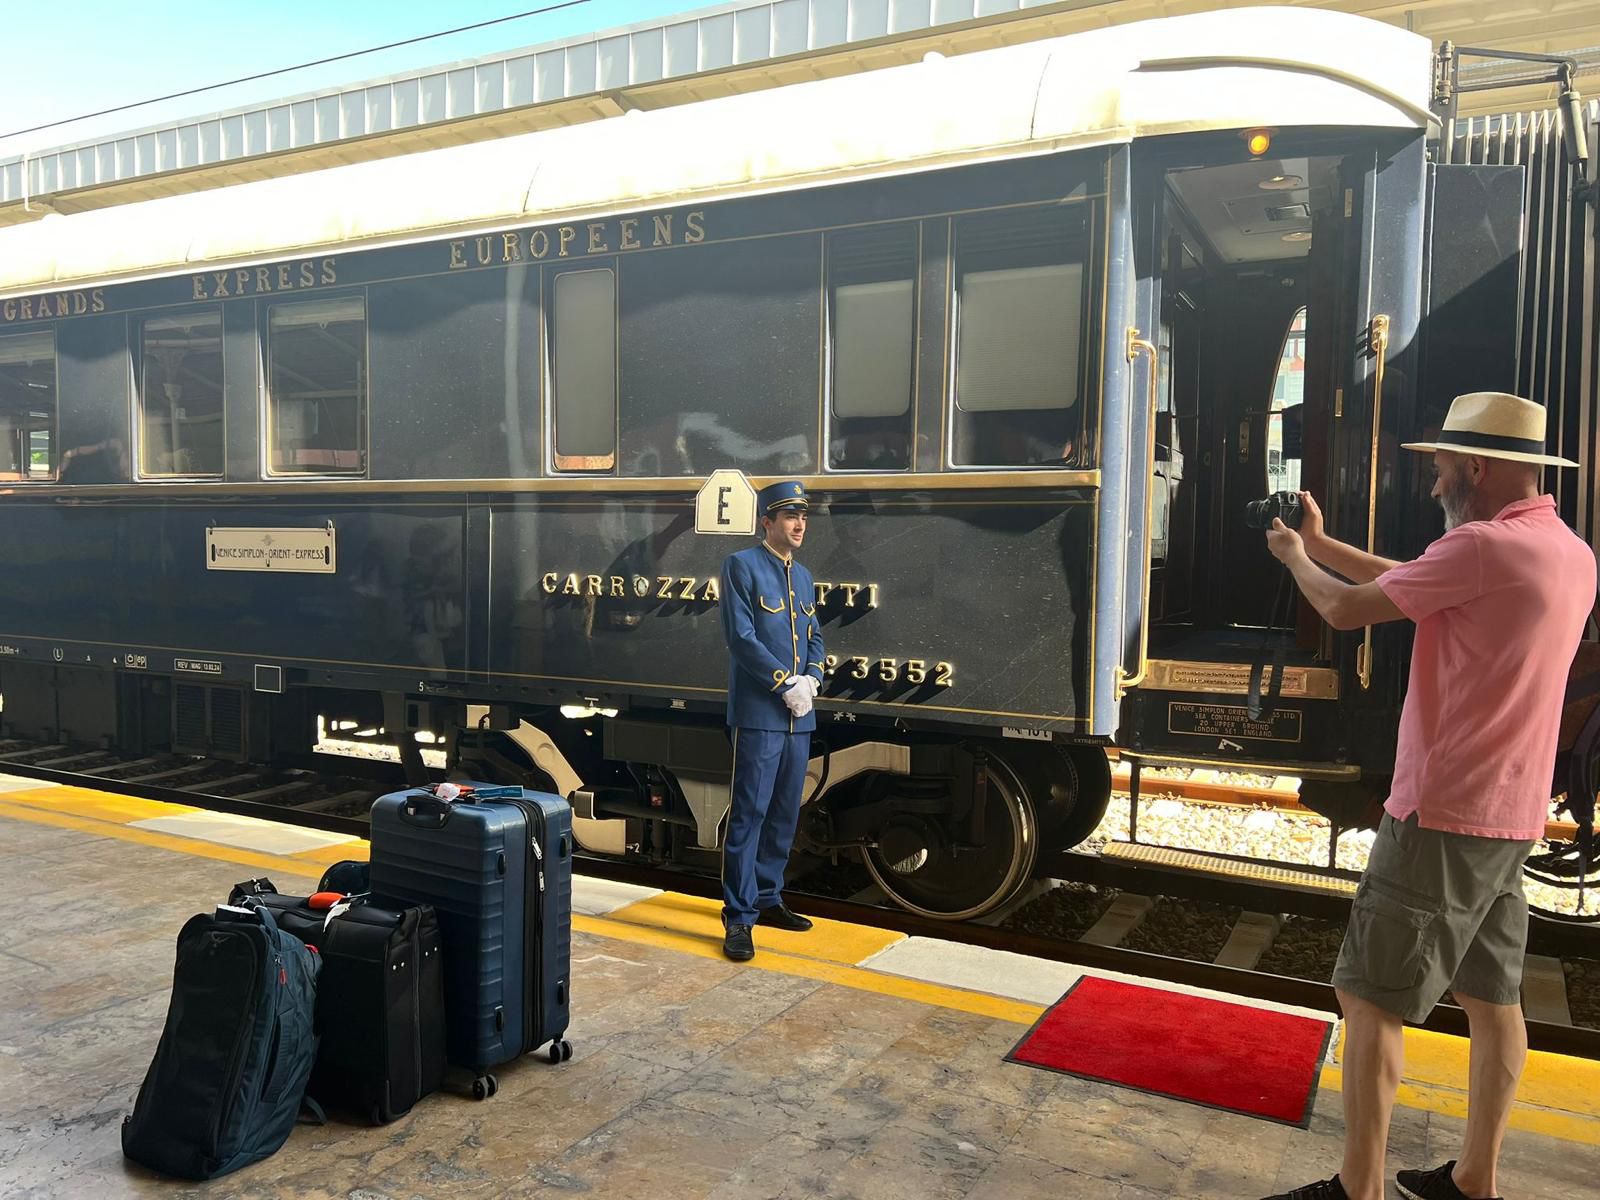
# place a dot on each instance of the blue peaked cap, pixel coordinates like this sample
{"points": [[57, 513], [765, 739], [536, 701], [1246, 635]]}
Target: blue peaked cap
{"points": [[791, 493]]}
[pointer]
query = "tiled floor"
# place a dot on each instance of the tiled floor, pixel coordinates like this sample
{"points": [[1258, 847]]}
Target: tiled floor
{"points": [[690, 1077]]}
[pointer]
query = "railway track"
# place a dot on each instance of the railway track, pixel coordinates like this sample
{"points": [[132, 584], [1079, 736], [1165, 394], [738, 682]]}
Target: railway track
{"points": [[1156, 784], [1123, 902]]}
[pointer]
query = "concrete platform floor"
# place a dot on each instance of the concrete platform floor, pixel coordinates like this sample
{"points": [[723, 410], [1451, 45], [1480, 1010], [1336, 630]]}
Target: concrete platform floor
{"points": [[690, 1077]]}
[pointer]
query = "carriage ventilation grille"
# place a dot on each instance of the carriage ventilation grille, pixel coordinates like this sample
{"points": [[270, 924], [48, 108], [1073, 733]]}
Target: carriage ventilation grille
{"points": [[189, 719], [227, 726], [1209, 864], [207, 720]]}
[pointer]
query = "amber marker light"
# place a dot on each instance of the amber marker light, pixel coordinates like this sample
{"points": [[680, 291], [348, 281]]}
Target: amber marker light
{"points": [[1257, 141]]}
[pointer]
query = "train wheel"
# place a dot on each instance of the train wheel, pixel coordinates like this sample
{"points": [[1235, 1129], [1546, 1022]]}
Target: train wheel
{"points": [[1070, 788], [916, 864]]}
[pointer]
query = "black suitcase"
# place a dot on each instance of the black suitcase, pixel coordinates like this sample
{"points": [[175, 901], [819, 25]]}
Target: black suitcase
{"points": [[380, 1000], [496, 865]]}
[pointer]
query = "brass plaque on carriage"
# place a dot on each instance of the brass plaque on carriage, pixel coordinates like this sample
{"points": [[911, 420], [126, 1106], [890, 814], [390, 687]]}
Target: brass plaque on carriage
{"points": [[1233, 679], [1227, 722], [304, 551]]}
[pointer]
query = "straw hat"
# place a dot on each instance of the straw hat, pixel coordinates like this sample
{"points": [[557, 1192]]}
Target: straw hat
{"points": [[1494, 425]]}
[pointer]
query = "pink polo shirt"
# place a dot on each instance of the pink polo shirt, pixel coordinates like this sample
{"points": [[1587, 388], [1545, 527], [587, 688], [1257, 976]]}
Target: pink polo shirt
{"points": [[1500, 606]]}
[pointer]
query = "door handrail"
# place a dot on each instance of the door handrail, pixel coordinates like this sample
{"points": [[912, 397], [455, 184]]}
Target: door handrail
{"points": [[1378, 339], [1124, 681]]}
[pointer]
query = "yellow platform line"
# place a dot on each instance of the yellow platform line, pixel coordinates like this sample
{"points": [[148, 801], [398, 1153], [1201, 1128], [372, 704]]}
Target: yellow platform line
{"points": [[1559, 1096], [1561, 1123], [860, 978], [834, 941], [113, 815], [101, 806], [160, 841], [1549, 1081]]}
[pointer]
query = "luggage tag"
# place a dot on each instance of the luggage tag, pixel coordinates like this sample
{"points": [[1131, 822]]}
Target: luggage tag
{"points": [[341, 907], [466, 793], [510, 792]]}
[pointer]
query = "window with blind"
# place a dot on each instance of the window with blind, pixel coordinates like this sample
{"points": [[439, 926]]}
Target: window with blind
{"points": [[180, 395], [1021, 318], [317, 386], [28, 405], [583, 369], [872, 283]]}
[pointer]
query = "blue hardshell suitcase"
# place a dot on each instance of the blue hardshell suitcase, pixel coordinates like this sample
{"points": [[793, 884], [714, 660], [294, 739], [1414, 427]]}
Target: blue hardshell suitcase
{"points": [[496, 865]]}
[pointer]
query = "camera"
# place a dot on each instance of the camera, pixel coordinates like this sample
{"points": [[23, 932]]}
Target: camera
{"points": [[1285, 506]]}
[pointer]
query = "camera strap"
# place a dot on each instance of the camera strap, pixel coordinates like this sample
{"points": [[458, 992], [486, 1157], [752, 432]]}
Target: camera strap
{"points": [[1282, 602]]}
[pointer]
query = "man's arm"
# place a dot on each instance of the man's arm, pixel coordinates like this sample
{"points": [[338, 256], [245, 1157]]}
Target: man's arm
{"points": [[1339, 557], [1343, 559], [1342, 605], [739, 628]]}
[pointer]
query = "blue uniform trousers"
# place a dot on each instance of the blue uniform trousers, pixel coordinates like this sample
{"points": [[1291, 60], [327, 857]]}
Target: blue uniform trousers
{"points": [[769, 774]]}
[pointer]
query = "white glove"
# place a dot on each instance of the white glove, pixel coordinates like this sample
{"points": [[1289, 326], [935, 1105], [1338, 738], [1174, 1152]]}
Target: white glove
{"points": [[811, 682], [797, 696]]}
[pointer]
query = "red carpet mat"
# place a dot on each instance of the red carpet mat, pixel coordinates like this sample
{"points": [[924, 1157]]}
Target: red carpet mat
{"points": [[1228, 1056]]}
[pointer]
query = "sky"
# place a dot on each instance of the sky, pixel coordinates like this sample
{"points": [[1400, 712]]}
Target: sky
{"points": [[67, 58]]}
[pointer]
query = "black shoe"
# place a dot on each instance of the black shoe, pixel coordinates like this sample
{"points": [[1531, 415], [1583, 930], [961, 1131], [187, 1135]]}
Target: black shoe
{"points": [[1430, 1185], [1323, 1189], [737, 943], [779, 917]]}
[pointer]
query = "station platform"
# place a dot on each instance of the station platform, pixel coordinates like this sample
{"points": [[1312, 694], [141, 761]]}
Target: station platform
{"points": [[847, 1062]]}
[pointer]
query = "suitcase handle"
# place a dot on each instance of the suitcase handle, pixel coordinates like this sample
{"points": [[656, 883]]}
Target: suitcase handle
{"points": [[425, 810]]}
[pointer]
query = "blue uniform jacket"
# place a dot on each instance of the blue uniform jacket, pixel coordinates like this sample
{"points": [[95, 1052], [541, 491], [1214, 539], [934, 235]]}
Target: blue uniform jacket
{"points": [[769, 621]]}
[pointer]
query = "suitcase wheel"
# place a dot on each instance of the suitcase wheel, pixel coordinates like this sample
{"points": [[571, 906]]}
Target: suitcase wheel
{"points": [[560, 1050], [484, 1086]]}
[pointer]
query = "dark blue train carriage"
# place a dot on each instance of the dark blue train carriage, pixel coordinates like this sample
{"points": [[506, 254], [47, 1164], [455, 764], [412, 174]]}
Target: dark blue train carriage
{"points": [[416, 444]]}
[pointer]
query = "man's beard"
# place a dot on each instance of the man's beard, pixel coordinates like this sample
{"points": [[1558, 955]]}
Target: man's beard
{"points": [[1456, 502]]}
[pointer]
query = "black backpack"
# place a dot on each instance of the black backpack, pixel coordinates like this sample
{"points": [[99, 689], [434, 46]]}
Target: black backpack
{"points": [[229, 1074]]}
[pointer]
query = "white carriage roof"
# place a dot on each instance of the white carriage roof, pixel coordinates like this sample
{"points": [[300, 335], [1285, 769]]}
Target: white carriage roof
{"points": [[1279, 67]]}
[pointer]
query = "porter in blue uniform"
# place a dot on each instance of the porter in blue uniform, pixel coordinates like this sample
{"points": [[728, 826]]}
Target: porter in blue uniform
{"points": [[774, 673]]}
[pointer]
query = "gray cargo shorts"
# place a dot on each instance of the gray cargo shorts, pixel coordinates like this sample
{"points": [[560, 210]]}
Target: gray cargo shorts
{"points": [[1433, 911]]}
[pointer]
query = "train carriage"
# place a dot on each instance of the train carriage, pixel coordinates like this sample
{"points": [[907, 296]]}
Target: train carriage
{"points": [[428, 442]]}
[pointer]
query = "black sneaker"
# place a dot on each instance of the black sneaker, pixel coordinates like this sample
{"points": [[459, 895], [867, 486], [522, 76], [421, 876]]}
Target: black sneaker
{"points": [[1323, 1189], [779, 917], [1430, 1185], [737, 943]]}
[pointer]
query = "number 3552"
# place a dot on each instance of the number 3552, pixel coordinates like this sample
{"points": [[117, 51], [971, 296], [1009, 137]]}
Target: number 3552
{"points": [[914, 671]]}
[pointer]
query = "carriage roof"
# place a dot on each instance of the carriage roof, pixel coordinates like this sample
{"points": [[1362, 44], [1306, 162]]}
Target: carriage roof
{"points": [[1225, 70]]}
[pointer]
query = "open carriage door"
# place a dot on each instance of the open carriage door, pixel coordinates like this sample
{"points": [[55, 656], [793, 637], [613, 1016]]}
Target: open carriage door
{"points": [[1377, 365], [1125, 536]]}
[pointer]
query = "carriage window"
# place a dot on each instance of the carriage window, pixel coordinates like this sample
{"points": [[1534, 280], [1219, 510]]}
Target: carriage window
{"points": [[583, 367], [872, 314], [1020, 315], [1284, 425], [317, 386], [28, 406], [180, 394]]}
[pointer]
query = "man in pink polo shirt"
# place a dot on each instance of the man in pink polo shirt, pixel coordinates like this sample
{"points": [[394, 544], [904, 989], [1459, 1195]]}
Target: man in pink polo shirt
{"points": [[1499, 602]]}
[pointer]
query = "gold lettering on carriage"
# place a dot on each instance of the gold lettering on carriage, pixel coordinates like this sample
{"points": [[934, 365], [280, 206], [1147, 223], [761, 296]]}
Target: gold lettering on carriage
{"points": [[44, 308], [578, 240], [689, 587], [261, 281]]}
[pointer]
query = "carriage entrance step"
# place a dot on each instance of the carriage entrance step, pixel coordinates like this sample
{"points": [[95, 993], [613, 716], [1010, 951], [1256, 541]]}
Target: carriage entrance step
{"points": [[1199, 863]]}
